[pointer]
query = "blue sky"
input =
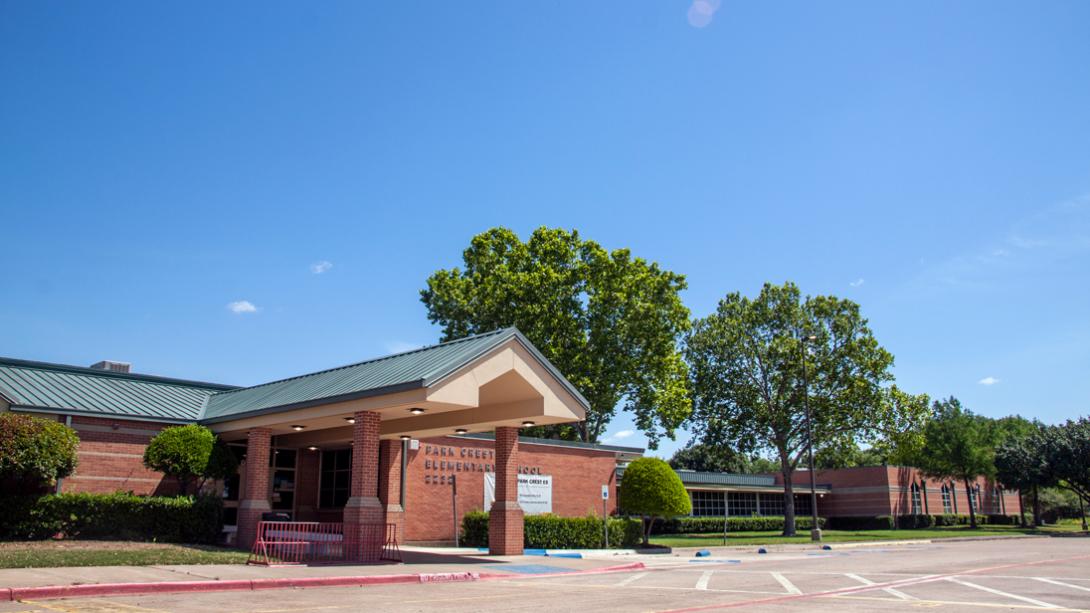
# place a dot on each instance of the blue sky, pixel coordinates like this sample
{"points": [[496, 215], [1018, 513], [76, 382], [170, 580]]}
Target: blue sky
{"points": [[930, 160]]}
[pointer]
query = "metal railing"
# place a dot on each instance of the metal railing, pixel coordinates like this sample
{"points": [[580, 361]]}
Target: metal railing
{"points": [[303, 542]]}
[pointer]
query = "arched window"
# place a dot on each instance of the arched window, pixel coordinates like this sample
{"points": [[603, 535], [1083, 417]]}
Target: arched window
{"points": [[917, 506], [976, 501], [947, 503]]}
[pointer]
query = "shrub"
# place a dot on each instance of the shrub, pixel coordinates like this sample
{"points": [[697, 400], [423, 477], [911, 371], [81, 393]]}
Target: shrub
{"points": [[188, 452], [704, 525], [909, 522], [1002, 520], [34, 452], [182, 519], [549, 531], [871, 522], [652, 490]]}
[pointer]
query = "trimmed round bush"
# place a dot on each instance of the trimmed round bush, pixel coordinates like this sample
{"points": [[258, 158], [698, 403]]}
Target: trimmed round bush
{"points": [[187, 453], [652, 490], [35, 452]]}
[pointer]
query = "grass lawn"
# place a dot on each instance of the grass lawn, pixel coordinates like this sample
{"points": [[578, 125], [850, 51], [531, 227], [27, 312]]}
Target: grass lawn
{"points": [[848, 536], [39, 554]]}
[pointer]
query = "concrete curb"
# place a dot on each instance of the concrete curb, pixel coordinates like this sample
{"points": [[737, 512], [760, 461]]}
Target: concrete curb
{"points": [[131, 589]]}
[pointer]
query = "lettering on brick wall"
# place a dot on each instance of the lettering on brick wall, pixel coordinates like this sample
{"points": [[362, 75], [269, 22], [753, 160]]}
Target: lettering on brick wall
{"points": [[442, 461]]}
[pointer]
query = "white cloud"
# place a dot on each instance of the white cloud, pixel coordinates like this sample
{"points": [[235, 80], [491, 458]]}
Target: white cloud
{"points": [[618, 436], [701, 12], [988, 381], [400, 346], [320, 267], [241, 306], [857, 282]]}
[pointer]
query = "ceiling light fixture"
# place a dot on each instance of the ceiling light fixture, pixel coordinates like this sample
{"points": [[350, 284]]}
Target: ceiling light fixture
{"points": [[461, 431], [406, 437], [417, 411], [312, 448], [350, 420], [527, 424], [298, 428]]}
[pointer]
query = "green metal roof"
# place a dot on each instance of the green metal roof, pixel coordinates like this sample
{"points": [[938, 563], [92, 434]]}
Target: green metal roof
{"points": [[399, 372], [61, 388], [41, 386]]}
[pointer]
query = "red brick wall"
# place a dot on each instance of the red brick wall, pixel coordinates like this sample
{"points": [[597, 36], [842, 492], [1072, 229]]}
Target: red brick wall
{"points": [[111, 458], [578, 476], [886, 490]]}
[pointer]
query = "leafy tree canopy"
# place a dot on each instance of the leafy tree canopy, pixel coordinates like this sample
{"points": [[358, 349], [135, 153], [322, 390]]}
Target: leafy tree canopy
{"points": [[652, 490], [187, 453], [1021, 461], [712, 458], [958, 445], [1068, 451], [746, 362], [35, 451], [607, 320]]}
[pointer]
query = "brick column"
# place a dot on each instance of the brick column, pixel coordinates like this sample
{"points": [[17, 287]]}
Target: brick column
{"points": [[505, 517], [389, 485], [255, 495], [363, 512]]}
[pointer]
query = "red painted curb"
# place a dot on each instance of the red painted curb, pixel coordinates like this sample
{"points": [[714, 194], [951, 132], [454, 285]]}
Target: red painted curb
{"points": [[131, 589]]}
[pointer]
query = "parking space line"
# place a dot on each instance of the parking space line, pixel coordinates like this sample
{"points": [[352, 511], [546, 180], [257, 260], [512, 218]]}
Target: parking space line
{"points": [[1055, 582], [702, 582], [787, 585], [959, 603], [627, 580], [983, 588], [888, 590]]}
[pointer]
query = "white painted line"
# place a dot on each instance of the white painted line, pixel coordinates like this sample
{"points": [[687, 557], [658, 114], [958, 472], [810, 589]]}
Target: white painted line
{"points": [[888, 590], [627, 580], [787, 585], [702, 582], [1055, 582], [1033, 601]]}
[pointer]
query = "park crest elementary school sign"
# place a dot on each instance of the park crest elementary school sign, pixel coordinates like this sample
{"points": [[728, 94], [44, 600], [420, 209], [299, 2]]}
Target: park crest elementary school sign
{"points": [[442, 462]]}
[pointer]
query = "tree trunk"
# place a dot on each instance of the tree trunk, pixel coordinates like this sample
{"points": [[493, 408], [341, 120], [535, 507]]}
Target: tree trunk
{"points": [[648, 524], [972, 504], [1082, 511], [1021, 508], [183, 486], [788, 504], [1036, 508]]}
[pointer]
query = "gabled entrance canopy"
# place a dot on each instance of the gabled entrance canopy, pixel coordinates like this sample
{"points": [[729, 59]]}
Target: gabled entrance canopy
{"points": [[473, 385]]}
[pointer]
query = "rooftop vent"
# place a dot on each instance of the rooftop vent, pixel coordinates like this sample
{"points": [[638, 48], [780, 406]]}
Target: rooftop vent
{"points": [[112, 366]]}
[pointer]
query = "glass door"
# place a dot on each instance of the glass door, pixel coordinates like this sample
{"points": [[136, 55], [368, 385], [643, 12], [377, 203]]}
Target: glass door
{"points": [[282, 462]]}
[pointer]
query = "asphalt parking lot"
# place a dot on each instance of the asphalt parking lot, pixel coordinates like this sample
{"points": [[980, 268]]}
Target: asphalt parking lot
{"points": [[1050, 574]]}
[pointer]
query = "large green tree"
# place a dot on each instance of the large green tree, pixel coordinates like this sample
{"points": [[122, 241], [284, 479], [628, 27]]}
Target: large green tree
{"points": [[1068, 451], [609, 321], [746, 362], [718, 458], [1021, 462], [652, 490], [958, 445]]}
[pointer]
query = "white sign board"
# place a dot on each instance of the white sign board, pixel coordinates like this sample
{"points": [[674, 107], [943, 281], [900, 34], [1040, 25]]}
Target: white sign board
{"points": [[605, 492], [535, 493]]}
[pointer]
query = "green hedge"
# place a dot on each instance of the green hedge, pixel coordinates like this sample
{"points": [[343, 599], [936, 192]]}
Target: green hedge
{"points": [[181, 519], [703, 525], [911, 522], [554, 532]]}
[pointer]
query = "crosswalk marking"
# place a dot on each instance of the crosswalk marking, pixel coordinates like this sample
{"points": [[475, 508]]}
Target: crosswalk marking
{"points": [[787, 585], [888, 590], [702, 582], [1033, 601]]}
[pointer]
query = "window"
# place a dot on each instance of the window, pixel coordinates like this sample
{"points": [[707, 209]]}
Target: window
{"points": [[947, 504], [974, 498], [997, 500], [336, 476], [742, 504], [917, 505], [707, 504], [802, 505], [771, 504]]}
